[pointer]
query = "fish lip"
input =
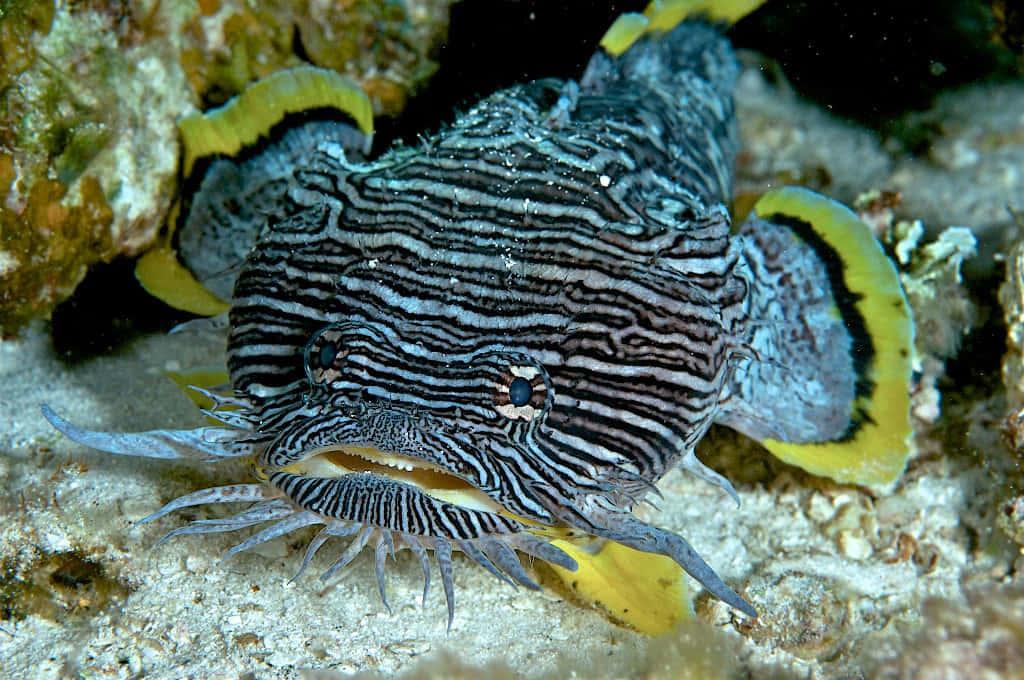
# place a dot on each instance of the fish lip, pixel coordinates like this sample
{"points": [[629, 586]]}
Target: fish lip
{"points": [[330, 440], [391, 459], [338, 460], [377, 432]]}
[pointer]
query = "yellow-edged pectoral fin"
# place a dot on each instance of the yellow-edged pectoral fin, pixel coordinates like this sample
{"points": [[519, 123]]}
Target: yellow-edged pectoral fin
{"points": [[163, 277], [204, 377], [878, 446], [226, 131], [251, 114], [643, 590]]}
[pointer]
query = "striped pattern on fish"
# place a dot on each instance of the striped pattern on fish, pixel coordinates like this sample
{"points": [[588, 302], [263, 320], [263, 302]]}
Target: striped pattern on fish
{"points": [[504, 337]]}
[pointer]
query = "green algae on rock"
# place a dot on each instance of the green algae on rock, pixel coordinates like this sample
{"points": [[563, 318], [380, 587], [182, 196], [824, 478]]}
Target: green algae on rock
{"points": [[58, 587], [87, 128], [47, 244]]}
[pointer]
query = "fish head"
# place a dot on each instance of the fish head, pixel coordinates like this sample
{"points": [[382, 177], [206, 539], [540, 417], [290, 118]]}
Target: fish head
{"points": [[546, 374]]}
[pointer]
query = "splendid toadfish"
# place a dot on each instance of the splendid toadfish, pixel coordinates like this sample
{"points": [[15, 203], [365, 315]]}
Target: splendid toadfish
{"points": [[500, 340]]}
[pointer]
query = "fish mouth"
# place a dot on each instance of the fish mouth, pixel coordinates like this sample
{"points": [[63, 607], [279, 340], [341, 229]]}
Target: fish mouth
{"points": [[338, 461], [385, 501], [399, 501]]}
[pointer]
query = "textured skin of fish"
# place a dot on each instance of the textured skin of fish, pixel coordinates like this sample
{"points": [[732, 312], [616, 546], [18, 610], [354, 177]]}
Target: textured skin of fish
{"points": [[544, 301]]}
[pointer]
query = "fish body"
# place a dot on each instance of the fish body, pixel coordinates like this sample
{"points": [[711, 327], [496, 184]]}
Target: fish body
{"points": [[559, 246], [508, 334]]}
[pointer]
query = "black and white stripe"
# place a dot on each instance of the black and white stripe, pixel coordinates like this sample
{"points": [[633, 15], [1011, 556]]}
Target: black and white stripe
{"points": [[596, 247], [541, 301]]}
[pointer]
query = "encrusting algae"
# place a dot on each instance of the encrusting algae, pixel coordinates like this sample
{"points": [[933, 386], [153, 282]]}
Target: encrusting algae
{"points": [[47, 244], [385, 46]]}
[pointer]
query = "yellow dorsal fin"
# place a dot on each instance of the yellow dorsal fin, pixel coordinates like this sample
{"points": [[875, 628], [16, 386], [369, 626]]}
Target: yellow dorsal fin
{"points": [[661, 16]]}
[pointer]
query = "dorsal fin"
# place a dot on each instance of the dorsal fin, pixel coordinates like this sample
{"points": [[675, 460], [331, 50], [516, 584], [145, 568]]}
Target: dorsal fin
{"points": [[661, 16]]}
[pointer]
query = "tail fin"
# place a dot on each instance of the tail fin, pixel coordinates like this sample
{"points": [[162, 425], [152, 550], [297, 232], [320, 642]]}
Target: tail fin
{"points": [[827, 387]]}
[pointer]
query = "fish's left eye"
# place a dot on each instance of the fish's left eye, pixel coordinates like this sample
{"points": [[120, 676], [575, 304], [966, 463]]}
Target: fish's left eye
{"points": [[323, 356], [521, 392]]}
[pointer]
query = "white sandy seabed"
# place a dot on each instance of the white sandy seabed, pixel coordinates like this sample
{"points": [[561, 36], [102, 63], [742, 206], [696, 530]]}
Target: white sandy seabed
{"points": [[845, 578]]}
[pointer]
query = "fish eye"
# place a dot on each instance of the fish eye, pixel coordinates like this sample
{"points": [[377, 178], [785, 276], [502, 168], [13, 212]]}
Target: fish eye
{"points": [[519, 391], [323, 356], [327, 353]]}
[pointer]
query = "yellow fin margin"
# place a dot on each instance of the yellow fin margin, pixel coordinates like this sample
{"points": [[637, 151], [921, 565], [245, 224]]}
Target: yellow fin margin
{"points": [[241, 121], [163, 277], [661, 16], [226, 131], [624, 31], [643, 590], [879, 449]]}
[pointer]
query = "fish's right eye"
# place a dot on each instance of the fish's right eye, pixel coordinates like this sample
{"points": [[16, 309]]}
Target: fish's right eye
{"points": [[324, 356]]}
